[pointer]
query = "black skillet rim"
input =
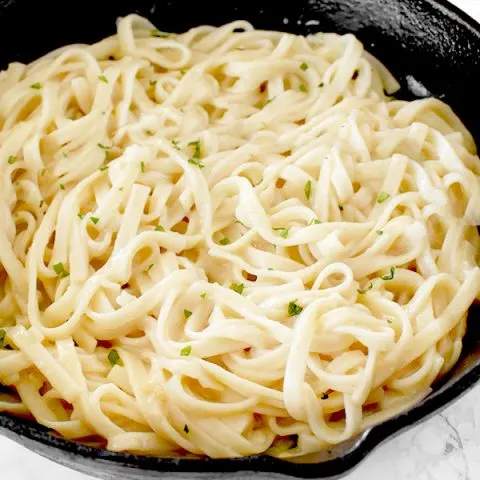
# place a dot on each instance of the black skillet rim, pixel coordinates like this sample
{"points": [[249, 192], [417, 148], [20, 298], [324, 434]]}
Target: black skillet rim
{"points": [[24, 431]]}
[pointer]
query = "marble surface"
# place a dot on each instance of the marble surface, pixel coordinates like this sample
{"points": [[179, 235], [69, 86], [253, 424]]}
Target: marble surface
{"points": [[446, 447]]}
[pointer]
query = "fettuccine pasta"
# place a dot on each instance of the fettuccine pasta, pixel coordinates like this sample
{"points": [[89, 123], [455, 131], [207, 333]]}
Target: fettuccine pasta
{"points": [[228, 241]]}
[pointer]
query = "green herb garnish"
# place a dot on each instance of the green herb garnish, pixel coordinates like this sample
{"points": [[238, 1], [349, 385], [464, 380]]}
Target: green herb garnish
{"points": [[41, 203], [390, 275], [316, 221], [379, 232], [186, 351], [340, 207], [95, 220], [303, 88], [362, 291], [197, 152], [159, 228], [159, 34], [103, 167], [304, 66], [36, 86], [103, 78], [12, 159], [150, 267], [237, 287], [59, 269], [283, 231], [142, 167], [294, 309], [308, 189], [382, 196], [187, 314], [224, 241], [321, 85], [62, 186], [114, 358], [80, 215], [203, 295], [196, 162], [152, 83], [3, 335]]}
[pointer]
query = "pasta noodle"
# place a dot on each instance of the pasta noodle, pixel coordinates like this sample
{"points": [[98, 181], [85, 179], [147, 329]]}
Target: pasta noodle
{"points": [[227, 241]]}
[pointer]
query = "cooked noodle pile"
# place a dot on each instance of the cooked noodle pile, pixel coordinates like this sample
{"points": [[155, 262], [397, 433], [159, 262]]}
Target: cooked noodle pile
{"points": [[227, 242]]}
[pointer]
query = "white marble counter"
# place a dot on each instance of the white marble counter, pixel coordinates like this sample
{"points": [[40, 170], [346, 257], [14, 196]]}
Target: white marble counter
{"points": [[444, 448]]}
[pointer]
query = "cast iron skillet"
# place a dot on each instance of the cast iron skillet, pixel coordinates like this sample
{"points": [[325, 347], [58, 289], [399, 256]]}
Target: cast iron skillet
{"points": [[426, 41]]}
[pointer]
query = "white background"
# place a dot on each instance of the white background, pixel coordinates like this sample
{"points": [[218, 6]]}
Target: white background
{"points": [[447, 447]]}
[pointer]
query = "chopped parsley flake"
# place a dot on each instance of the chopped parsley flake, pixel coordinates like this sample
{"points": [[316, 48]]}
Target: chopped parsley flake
{"points": [[340, 207], [159, 34], [196, 162], [95, 220], [294, 309], [36, 86], [159, 228], [114, 358], [303, 88], [150, 267], [362, 291], [197, 152], [62, 186], [80, 215], [103, 78], [382, 196], [103, 167], [59, 269], [142, 167], [308, 189], [304, 66], [103, 147], [186, 351], [153, 83], [3, 335], [12, 159], [41, 203], [283, 231], [316, 221], [390, 275], [175, 144], [321, 85], [237, 287], [187, 313], [203, 295], [224, 241], [379, 232]]}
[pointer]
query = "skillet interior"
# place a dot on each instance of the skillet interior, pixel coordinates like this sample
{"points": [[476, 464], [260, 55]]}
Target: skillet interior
{"points": [[425, 41]]}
